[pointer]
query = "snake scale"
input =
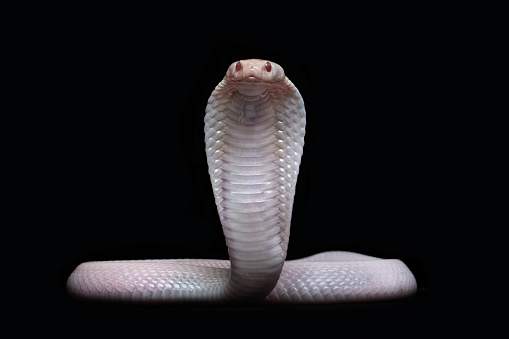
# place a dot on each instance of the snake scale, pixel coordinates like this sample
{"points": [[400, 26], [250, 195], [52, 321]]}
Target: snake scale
{"points": [[254, 134]]}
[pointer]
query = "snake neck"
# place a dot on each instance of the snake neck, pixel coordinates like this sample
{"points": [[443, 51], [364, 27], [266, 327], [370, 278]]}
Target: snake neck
{"points": [[250, 209], [253, 186]]}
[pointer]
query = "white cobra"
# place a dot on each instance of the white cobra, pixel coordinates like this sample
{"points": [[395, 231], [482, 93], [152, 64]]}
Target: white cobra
{"points": [[254, 134]]}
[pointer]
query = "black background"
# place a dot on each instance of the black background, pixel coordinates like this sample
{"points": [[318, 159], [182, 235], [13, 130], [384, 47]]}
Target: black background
{"points": [[119, 169]]}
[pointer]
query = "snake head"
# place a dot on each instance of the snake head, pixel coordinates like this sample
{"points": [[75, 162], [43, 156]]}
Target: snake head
{"points": [[254, 71]]}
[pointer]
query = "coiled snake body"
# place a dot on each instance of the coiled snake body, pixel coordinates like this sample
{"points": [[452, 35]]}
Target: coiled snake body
{"points": [[254, 135]]}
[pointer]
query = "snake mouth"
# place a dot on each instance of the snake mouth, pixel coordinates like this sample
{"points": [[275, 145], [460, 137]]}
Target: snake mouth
{"points": [[252, 81], [252, 86]]}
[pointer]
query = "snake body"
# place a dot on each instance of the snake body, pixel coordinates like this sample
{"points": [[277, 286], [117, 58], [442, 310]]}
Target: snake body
{"points": [[254, 135]]}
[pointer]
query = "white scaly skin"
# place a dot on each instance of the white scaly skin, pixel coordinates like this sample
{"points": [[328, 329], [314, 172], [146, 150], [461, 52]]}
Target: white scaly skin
{"points": [[254, 133], [254, 136]]}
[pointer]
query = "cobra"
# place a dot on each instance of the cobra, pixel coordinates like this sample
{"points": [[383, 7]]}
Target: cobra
{"points": [[254, 135]]}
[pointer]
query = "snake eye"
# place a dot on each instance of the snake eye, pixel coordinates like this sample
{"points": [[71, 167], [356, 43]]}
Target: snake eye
{"points": [[268, 66], [238, 66]]}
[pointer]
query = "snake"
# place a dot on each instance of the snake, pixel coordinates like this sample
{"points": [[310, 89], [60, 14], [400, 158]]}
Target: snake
{"points": [[255, 123]]}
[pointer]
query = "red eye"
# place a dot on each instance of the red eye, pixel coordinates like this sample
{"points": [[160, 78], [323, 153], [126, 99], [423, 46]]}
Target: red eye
{"points": [[268, 66], [238, 66]]}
